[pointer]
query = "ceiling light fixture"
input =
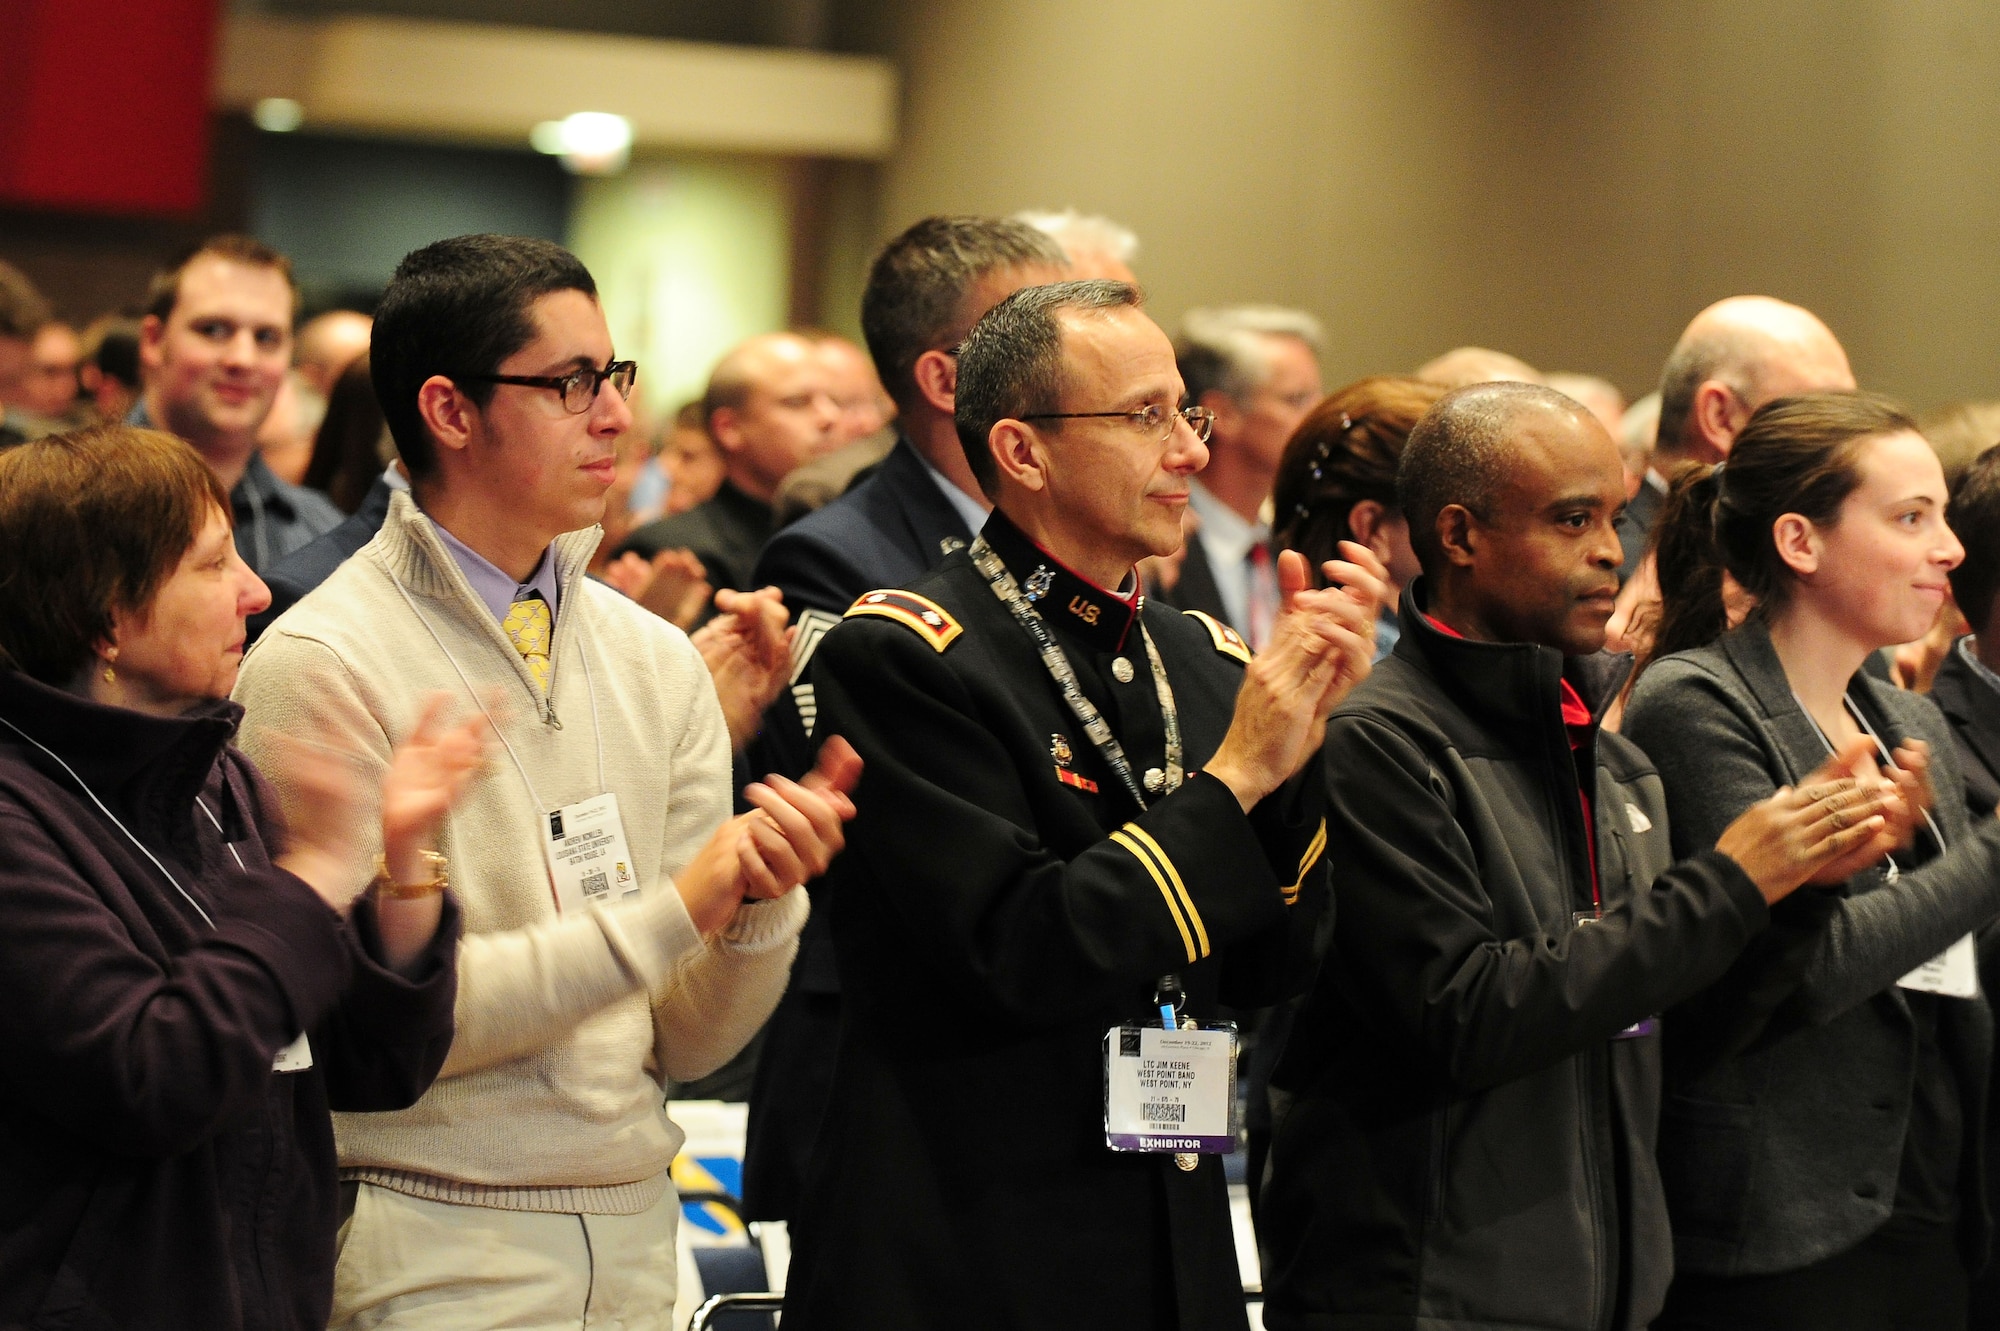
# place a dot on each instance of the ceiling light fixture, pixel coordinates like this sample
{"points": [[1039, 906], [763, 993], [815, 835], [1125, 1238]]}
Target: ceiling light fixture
{"points": [[590, 143]]}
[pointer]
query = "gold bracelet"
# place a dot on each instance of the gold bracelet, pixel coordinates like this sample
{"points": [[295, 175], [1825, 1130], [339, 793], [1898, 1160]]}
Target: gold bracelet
{"points": [[385, 886]]}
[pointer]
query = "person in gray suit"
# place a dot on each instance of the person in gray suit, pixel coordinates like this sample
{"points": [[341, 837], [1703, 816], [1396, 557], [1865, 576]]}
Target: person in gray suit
{"points": [[1823, 1132]]}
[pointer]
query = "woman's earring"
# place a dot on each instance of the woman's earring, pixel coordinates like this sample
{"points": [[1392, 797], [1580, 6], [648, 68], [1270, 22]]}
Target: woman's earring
{"points": [[110, 675]]}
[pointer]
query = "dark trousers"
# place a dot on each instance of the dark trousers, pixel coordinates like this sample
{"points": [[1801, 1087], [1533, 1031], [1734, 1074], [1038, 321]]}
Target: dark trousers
{"points": [[1906, 1276]]}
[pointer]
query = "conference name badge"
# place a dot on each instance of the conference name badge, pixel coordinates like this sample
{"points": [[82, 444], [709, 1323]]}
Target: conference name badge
{"points": [[589, 862], [1170, 1091], [1953, 972]]}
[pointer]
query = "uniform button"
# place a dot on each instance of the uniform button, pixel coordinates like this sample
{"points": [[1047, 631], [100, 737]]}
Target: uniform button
{"points": [[1156, 780], [1866, 1191], [1121, 669]]}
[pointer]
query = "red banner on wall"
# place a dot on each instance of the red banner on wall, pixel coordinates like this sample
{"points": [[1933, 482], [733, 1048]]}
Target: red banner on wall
{"points": [[104, 104]]}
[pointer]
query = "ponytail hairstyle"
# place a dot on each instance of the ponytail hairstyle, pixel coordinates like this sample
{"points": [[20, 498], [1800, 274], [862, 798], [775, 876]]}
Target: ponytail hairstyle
{"points": [[1345, 451], [1795, 455]]}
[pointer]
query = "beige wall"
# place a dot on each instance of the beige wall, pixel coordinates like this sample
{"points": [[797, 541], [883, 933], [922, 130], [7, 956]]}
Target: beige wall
{"points": [[1566, 181]]}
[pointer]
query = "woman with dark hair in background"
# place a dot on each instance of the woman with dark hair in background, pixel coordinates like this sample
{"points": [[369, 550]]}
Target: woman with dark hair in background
{"points": [[1823, 1131], [352, 446], [188, 984], [1337, 482]]}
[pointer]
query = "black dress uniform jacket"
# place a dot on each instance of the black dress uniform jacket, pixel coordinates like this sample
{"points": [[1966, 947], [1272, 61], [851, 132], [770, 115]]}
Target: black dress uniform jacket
{"points": [[1460, 1140], [1001, 903], [888, 531]]}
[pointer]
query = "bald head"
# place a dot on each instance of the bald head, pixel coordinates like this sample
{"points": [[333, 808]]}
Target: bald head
{"points": [[1462, 366], [1735, 356], [328, 344], [771, 407]]}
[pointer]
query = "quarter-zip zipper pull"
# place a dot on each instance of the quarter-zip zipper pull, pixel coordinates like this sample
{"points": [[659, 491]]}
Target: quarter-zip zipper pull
{"points": [[549, 707]]}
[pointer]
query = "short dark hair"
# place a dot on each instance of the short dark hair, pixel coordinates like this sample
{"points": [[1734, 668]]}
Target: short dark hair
{"points": [[1974, 515], [1345, 451], [459, 308], [1795, 455], [915, 298], [22, 309], [92, 521], [1012, 364], [1456, 455], [165, 290]]}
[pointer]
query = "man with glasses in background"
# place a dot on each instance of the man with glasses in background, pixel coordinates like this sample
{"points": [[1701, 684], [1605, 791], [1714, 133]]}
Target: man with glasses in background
{"points": [[1084, 829], [1256, 368], [620, 928]]}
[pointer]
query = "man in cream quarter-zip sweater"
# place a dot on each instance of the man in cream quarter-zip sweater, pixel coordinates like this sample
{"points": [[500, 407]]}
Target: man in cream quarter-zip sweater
{"points": [[529, 1187]]}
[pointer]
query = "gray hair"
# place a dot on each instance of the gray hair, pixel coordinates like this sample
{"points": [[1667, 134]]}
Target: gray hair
{"points": [[1458, 454], [1222, 349], [915, 298], [1012, 366], [1085, 231]]}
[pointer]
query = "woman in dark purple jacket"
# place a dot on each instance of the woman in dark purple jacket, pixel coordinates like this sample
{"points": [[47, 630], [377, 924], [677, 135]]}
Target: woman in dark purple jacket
{"points": [[186, 987]]}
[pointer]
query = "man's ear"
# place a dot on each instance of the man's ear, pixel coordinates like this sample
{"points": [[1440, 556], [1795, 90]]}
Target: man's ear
{"points": [[1717, 415], [936, 373], [1458, 535], [152, 332], [1020, 454], [1798, 543], [725, 427], [451, 417]]}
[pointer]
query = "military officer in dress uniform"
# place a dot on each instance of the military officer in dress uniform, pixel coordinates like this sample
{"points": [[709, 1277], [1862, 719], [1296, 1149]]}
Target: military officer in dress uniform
{"points": [[1083, 830]]}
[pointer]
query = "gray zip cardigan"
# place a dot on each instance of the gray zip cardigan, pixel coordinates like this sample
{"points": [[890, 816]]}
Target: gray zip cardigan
{"points": [[1790, 1080]]}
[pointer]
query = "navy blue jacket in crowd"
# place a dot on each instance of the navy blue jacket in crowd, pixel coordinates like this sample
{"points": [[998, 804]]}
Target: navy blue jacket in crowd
{"points": [[308, 566]]}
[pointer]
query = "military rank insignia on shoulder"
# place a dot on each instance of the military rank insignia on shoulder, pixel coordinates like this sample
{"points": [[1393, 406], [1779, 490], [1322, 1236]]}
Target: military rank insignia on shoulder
{"points": [[1227, 640], [932, 622]]}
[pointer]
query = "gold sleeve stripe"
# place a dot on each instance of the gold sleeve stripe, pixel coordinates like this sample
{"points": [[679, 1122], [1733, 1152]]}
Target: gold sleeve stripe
{"points": [[1180, 888], [1187, 939], [1306, 862]]}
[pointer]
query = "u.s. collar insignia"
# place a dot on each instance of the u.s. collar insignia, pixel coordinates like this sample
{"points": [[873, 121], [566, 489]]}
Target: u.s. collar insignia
{"points": [[1038, 583], [949, 545]]}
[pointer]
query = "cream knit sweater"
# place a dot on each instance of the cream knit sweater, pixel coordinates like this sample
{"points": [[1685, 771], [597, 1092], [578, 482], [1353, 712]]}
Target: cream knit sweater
{"points": [[551, 1098]]}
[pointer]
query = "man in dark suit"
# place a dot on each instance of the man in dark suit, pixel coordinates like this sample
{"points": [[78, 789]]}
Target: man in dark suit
{"points": [[1257, 368], [1967, 687], [311, 564], [925, 291]]}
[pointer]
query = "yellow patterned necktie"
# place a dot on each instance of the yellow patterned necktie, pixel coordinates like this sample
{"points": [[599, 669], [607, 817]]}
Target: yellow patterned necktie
{"points": [[527, 626]]}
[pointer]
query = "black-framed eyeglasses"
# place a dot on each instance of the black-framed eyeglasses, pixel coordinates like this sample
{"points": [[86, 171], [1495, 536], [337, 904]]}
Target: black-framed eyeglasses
{"points": [[578, 389], [1157, 420]]}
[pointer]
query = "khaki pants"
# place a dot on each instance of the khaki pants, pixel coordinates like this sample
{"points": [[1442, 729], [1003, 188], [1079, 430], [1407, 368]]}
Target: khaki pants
{"points": [[407, 1264]]}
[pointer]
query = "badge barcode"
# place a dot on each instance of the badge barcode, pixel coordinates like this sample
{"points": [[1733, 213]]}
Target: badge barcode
{"points": [[596, 884], [1163, 1113]]}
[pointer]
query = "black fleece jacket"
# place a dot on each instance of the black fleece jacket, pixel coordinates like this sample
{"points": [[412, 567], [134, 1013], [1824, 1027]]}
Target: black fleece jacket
{"points": [[155, 1171], [1462, 1138]]}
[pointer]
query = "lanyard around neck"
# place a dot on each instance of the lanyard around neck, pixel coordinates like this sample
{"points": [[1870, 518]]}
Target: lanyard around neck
{"points": [[1057, 663]]}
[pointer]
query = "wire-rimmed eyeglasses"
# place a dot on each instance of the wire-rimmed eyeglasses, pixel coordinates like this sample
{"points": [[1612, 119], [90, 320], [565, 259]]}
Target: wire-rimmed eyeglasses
{"points": [[578, 389], [1153, 418]]}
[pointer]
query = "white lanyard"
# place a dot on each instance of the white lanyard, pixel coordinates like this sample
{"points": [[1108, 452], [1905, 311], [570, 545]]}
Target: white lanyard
{"points": [[589, 683]]}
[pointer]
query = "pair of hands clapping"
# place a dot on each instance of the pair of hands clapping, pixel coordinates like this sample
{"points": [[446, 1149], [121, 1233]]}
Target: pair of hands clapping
{"points": [[1321, 646]]}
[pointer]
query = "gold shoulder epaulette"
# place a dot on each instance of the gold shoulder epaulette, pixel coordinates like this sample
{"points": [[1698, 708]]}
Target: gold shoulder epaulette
{"points": [[932, 621], [1227, 640]]}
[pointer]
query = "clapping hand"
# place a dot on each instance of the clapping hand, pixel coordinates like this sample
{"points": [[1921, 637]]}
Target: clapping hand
{"points": [[748, 651]]}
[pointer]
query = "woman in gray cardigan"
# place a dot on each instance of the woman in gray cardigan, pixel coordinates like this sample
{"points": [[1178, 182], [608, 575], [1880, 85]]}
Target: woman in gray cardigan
{"points": [[1821, 1139]]}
